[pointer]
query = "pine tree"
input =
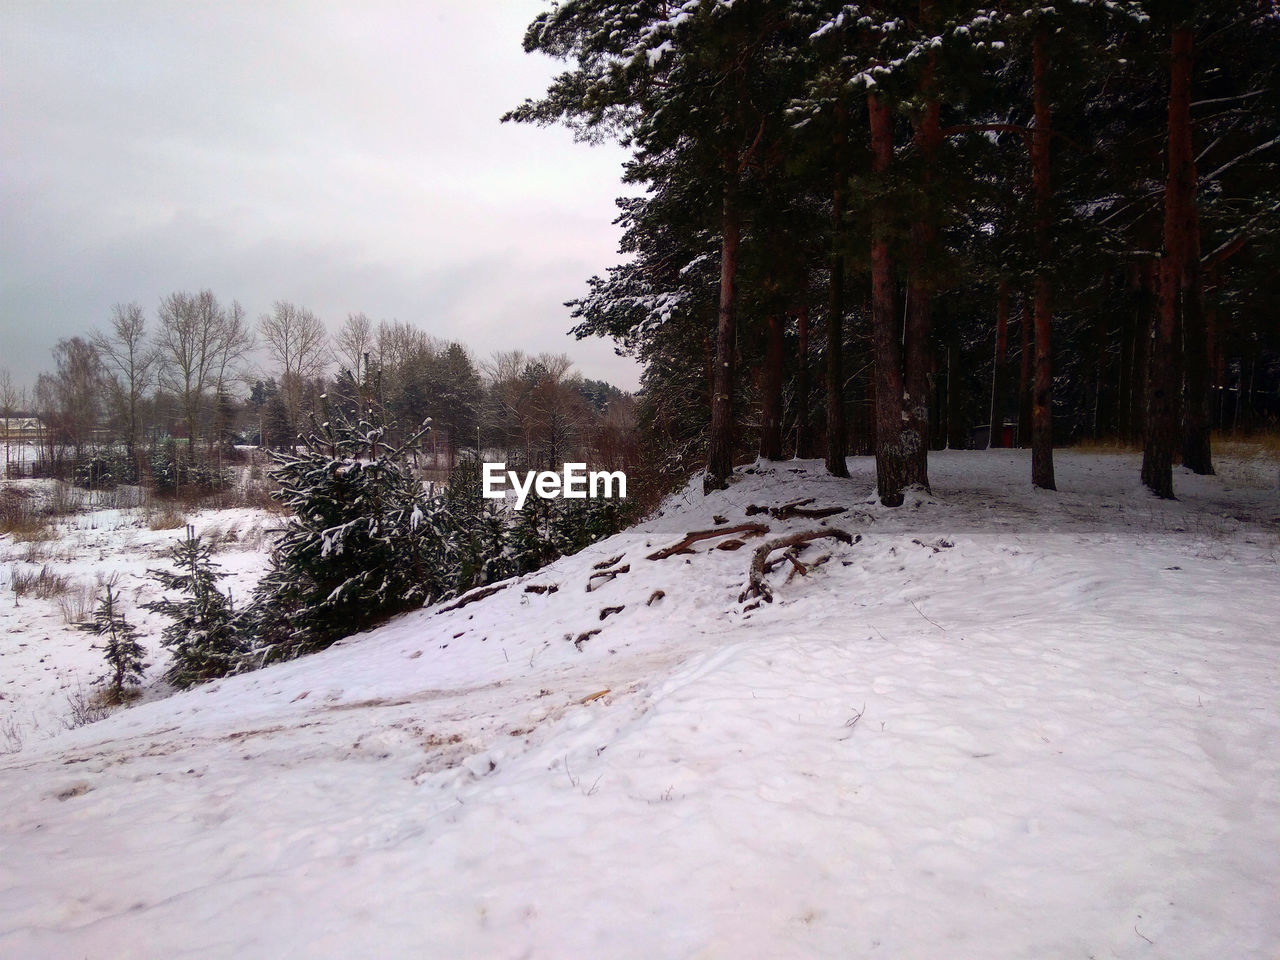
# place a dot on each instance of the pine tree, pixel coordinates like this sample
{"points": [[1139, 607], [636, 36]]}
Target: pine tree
{"points": [[204, 634], [363, 542], [121, 649]]}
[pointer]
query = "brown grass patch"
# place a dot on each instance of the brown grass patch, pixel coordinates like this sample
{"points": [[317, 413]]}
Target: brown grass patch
{"points": [[43, 585]]}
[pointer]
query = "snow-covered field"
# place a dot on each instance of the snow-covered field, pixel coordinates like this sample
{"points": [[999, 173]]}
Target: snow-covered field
{"points": [[47, 665], [1004, 724]]}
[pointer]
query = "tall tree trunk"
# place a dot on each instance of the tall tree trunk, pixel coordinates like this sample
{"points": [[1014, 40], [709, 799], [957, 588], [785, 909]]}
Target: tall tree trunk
{"points": [[1217, 362], [995, 433], [1162, 385], [771, 390], [1124, 379], [836, 440], [1024, 374], [1042, 392], [804, 430], [1196, 453], [919, 339], [720, 454], [1148, 313], [891, 452]]}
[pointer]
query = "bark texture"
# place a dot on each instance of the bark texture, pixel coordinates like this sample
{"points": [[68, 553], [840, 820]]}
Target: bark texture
{"points": [[1163, 361], [1042, 390], [720, 454], [892, 453]]}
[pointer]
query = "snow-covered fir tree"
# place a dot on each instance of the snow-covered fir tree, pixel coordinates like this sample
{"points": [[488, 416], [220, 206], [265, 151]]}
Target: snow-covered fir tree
{"points": [[363, 542]]}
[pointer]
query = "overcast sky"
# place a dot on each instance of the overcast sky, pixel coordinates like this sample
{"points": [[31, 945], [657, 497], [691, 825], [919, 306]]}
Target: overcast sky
{"points": [[343, 156]]}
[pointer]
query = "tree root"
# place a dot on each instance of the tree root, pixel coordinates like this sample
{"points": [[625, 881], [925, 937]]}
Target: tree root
{"points": [[757, 586], [583, 637], [746, 529], [604, 576], [797, 508], [473, 597]]}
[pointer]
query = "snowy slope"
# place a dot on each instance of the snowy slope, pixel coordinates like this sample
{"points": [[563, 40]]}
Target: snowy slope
{"points": [[1004, 724]]}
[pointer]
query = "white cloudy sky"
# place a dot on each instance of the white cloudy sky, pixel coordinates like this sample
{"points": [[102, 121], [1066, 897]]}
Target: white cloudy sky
{"points": [[345, 156]]}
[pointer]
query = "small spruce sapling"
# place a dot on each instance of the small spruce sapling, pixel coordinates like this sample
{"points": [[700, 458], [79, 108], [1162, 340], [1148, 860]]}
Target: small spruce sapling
{"points": [[205, 634], [120, 647]]}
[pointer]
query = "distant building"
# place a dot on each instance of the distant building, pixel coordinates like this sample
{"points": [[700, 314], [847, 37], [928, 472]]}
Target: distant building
{"points": [[21, 429]]}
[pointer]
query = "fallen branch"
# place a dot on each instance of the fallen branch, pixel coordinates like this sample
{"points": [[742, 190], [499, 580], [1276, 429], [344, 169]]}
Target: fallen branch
{"points": [[816, 513], [757, 586], [655, 597], [788, 556], [608, 563], [609, 611], [936, 546], [542, 588], [584, 637], [797, 508], [753, 509], [473, 597], [746, 529], [605, 576]]}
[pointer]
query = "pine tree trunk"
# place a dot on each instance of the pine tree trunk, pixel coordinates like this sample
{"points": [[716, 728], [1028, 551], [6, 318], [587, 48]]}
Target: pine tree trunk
{"points": [[1124, 379], [1162, 384], [891, 452], [720, 454], [771, 399], [919, 340], [1148, 314], [995, 433], [836, 440], [1024, 375], [804, 430], [1196, 453], [1042, 392]]}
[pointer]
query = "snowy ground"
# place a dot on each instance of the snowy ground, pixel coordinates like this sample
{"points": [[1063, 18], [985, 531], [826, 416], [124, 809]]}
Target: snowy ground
{"points": [[1005, 724], [46, 663]]}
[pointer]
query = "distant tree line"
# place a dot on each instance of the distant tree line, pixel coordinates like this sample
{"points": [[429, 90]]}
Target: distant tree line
{"points": [[873, 227], [144, 401]]}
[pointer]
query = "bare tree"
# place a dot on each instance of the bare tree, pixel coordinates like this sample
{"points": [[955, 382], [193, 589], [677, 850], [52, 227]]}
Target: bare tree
{"points": [[129, 361], [198, 344], [11, 398], [234, 343], [504, 400], [555, 412], [70, 398], [353, 343], [299, 347]]}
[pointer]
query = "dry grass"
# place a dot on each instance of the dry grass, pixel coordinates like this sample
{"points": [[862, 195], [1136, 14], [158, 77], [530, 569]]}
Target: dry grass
{"points": [[85, 707], [1105, 447], [20, 518], [11, 737], [44, 585], [1265, 446], [169, 515], [77, 602], [1250, 461]]}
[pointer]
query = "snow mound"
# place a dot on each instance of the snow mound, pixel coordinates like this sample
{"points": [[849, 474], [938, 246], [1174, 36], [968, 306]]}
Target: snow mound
{"points": [[1000, 723]]}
